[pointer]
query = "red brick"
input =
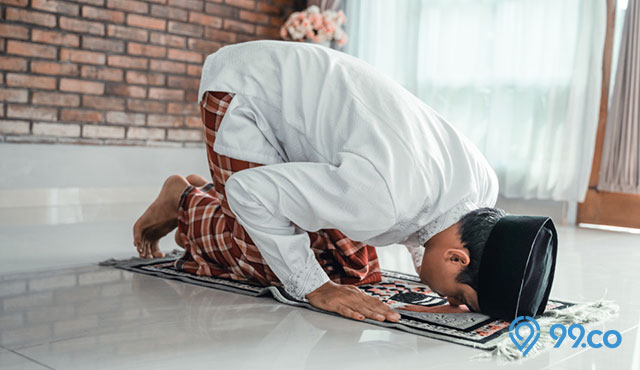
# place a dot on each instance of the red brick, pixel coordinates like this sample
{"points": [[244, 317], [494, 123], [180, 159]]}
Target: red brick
{"points": [[92, 2], [14, 127], [31, 49], [56, 38], [165, 94], [31, 112], [146, 22], [81, 56], [77, 115], [268, 8], [56, 129], [245, 38], [191, 96], [143, 105], [13, 64], [103, 102], [183, 109], [164, 120], [204, 46], [131, 91], [185, 29], [129, 5], [52, 68], [13, 31], [253, 17], [247, 4], [144, 133], [127, 62], [128, 33], [21, 3], [167, 66], [185, 56], [214, 34], [102, 73], [276, 22], [183, 82], [184, 135], [188, 4], [168, 12], [99, 43], [55, 98], [118, 117], [86, 87], [113, 16], [169, 40], [193, 121], [141, 78], [26, 16], [56, 6], [221, 10], [205, 20], [232, 25], [81, 26], [36, 82], [194, 70], [147, 50], [270, 32], [111, 132], [14, 95]]}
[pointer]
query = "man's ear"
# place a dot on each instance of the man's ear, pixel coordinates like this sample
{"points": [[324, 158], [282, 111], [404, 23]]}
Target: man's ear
{"points": [[458, 256]]}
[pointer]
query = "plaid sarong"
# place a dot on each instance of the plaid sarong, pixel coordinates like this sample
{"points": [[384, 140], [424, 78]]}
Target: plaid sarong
{"points": [[217, 245]]}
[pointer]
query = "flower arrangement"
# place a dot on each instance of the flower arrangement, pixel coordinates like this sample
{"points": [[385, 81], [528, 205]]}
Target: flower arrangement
{"points": [[315, 25]]}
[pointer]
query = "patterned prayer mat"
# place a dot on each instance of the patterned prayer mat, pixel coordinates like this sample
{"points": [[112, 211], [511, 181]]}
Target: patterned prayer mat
{"points": [[402, 292]]}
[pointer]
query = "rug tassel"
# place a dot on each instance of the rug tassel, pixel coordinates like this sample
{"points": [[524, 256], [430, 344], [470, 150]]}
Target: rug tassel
{"points": [[585, 313]]}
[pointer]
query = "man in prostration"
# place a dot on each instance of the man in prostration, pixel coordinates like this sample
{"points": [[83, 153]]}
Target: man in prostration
{"points": [[317, 158]]}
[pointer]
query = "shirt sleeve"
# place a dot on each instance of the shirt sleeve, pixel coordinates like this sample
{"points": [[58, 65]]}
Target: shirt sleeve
{"points": [[278, 203], [416, 252]]}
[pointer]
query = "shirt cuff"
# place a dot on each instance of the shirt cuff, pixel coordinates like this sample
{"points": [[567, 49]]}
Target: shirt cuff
{"points": [[306, 280]]}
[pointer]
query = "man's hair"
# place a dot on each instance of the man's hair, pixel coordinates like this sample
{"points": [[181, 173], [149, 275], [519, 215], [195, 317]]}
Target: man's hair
{"points": [[474, 230]]}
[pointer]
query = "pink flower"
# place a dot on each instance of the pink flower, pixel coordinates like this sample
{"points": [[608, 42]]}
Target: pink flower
{"points": [[314, 25], [316, 20]]}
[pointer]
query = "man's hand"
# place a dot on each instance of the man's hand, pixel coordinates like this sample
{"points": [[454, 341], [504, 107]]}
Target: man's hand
{"points": [[349, 301]]}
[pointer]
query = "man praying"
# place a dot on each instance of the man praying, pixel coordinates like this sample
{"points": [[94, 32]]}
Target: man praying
{"points": [[316, 158]]}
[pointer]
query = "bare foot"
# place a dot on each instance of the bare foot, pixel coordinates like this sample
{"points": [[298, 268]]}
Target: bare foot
{"points": [[197, 180], [159, 219]]}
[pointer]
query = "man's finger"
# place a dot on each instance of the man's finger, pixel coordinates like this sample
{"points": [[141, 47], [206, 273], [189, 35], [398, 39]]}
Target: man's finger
{"points": [[372, 314], [347, 312]]}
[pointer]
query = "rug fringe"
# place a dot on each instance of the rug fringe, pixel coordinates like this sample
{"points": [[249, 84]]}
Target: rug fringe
{"points": [[583, 313]]}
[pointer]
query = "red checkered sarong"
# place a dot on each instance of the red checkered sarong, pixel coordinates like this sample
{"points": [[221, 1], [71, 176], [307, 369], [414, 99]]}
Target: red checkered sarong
{"points": [[217, 245]]}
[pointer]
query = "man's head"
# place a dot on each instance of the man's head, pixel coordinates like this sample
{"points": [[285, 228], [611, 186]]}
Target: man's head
{"points": [[451, 261]]}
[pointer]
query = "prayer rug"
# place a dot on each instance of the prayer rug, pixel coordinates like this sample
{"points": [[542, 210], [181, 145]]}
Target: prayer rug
{"points": [[401, 291]]}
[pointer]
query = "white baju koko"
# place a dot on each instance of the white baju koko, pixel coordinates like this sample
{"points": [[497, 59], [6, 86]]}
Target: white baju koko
{"points": [[345, 148]]}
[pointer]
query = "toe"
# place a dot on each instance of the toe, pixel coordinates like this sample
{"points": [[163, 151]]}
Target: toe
{"points": [[155, 251]]}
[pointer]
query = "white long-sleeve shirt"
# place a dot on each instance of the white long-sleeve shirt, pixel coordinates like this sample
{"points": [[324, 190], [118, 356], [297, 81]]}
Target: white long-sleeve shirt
{"points": [[345, 148]]}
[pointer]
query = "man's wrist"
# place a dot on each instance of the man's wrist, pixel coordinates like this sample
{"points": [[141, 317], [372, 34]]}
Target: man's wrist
{"points": [[306, 280]]}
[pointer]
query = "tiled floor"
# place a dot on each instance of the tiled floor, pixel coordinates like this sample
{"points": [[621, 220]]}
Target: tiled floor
{"points": [[58, 310]]}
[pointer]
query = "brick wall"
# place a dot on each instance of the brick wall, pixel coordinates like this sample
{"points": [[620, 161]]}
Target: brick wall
{"points": [[116, 71]]}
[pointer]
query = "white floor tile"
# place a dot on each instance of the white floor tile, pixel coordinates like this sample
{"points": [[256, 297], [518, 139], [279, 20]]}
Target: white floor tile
{"points": [[101, 318], [12, 361]]}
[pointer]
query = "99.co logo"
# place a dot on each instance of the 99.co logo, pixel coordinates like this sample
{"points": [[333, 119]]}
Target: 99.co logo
{"points": [[595, 338], [524, 340]]}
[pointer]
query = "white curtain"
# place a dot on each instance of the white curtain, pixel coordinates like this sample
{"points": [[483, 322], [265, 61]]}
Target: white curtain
{"points": [[521, 78]]}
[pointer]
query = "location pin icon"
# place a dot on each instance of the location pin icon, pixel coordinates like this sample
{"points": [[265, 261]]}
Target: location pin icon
{"points": [[522, 342]]}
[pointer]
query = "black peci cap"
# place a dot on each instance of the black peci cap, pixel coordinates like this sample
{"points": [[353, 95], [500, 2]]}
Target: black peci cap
{"points": [[517, 266]]}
